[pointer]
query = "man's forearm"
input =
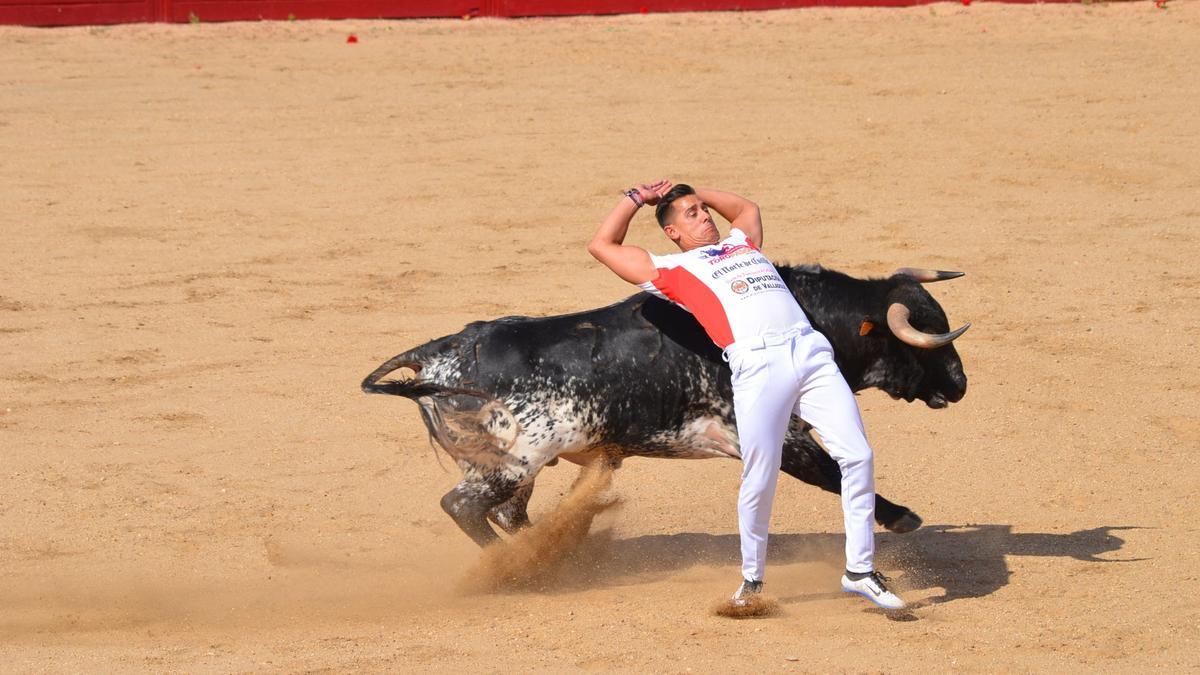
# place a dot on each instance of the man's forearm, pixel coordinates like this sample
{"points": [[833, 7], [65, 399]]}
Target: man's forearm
{"points": [[631, 263], [614, 228], [728, 204], [739, 211]]}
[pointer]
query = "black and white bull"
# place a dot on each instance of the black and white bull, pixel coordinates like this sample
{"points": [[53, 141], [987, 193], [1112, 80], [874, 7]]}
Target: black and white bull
{"points": [[640, 378]]}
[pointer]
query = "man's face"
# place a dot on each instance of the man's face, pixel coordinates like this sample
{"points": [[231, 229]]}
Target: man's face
{"points": [[691, 224]]}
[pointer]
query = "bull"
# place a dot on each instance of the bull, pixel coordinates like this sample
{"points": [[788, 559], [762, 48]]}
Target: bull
{"points": [[640, 378]]}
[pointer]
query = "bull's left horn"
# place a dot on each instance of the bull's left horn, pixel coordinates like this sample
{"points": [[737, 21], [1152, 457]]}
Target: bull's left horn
{"points": [[927, 276], [897, 316]]}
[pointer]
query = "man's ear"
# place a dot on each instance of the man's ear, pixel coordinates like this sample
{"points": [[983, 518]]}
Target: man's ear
{"points": [[671, 232]]}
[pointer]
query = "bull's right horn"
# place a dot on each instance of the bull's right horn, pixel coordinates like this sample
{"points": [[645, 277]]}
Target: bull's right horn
{"points": [[897, 317], [927, 276]]}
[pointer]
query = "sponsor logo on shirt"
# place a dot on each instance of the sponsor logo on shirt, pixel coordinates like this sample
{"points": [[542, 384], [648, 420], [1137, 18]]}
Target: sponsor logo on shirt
{"points": [[742, 265], [717, 255], [755, 284]]}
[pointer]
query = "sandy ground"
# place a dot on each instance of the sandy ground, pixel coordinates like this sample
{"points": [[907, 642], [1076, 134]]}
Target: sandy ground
{"points": [[211, 233]]}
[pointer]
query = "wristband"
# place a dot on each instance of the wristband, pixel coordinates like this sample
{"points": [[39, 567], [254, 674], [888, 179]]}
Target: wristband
{"points": [[633, 194]]}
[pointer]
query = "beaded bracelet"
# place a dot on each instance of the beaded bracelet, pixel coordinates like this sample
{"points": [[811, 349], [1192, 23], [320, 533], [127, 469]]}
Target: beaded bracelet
{"points": [[634, 195]]}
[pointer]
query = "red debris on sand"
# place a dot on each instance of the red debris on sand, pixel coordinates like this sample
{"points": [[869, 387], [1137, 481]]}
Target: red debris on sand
{"points": [[966, 3], [352, 39]]}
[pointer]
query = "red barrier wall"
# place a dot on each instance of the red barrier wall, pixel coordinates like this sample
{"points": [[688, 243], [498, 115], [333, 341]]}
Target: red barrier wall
{"points": [[78, 12], [60, 13], [242, 10]]}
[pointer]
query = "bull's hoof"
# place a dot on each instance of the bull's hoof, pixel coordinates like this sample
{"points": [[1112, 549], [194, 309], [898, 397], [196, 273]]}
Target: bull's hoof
{"points": [[905, 523]]}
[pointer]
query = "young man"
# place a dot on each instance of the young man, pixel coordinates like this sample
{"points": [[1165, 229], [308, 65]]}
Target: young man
{"points": [[781, 366]]}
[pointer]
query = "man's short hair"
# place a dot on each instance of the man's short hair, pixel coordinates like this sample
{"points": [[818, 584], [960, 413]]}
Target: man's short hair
{"points": [[662, 212]]}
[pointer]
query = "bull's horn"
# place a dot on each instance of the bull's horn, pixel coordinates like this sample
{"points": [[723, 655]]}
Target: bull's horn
{"points": [[926, 276], [897, 317]]}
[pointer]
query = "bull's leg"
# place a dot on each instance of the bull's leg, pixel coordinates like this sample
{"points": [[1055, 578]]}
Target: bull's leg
{"points": [[471, 500], [805, 459], [512, 515]]}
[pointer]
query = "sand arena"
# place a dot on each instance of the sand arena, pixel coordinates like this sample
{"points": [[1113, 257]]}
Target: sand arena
{"points": [[212, 232]]}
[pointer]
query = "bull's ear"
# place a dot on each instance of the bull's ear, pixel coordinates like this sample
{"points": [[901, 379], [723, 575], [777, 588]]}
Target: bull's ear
{"points": [[866, 327]]}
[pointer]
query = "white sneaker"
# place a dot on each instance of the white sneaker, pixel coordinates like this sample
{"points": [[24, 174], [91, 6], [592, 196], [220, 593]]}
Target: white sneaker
{"points": [[874, 588], [746, 594]]}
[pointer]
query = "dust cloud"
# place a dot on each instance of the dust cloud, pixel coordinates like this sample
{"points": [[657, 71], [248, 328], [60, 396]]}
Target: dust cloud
{"points": [[531, 559]]}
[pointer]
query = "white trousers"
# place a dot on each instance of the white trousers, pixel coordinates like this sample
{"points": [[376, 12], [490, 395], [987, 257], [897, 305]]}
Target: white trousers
{"points": [[793, 373]]}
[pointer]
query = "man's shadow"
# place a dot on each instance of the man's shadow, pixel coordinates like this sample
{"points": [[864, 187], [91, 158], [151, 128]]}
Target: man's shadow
{"points": [[967, 561]]}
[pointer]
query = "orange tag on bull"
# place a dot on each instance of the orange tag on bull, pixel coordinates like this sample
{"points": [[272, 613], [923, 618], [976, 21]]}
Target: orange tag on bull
{"points": [[865, 328]]}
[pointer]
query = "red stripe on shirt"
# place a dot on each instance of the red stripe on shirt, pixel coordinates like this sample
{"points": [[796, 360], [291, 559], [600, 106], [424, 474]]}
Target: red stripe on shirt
{"points": [[681, 286]]}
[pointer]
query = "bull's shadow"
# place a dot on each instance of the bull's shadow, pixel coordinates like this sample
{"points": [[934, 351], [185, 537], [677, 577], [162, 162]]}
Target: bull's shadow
{"points": [[966, 561]]}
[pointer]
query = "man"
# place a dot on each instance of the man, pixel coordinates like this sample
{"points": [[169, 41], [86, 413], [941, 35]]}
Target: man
{"points": [[781, 366]]}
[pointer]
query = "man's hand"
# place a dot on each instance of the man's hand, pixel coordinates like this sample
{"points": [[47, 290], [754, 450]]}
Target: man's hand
{"points": [[654, 191]]}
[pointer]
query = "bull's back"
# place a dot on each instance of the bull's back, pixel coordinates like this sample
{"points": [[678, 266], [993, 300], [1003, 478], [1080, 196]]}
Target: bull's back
{"points": [[499, 354], [629, 358]]}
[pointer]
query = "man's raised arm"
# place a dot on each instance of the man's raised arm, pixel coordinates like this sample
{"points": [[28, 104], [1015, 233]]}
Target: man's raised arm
{"points": [[739, 211], [631, 263]]}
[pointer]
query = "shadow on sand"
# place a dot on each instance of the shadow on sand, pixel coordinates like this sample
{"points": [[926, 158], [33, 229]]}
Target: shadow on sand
{"points": [[966, 561]]}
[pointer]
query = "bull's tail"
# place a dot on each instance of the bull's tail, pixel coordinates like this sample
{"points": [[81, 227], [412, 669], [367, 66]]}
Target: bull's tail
{"points": [[469, 424]]}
